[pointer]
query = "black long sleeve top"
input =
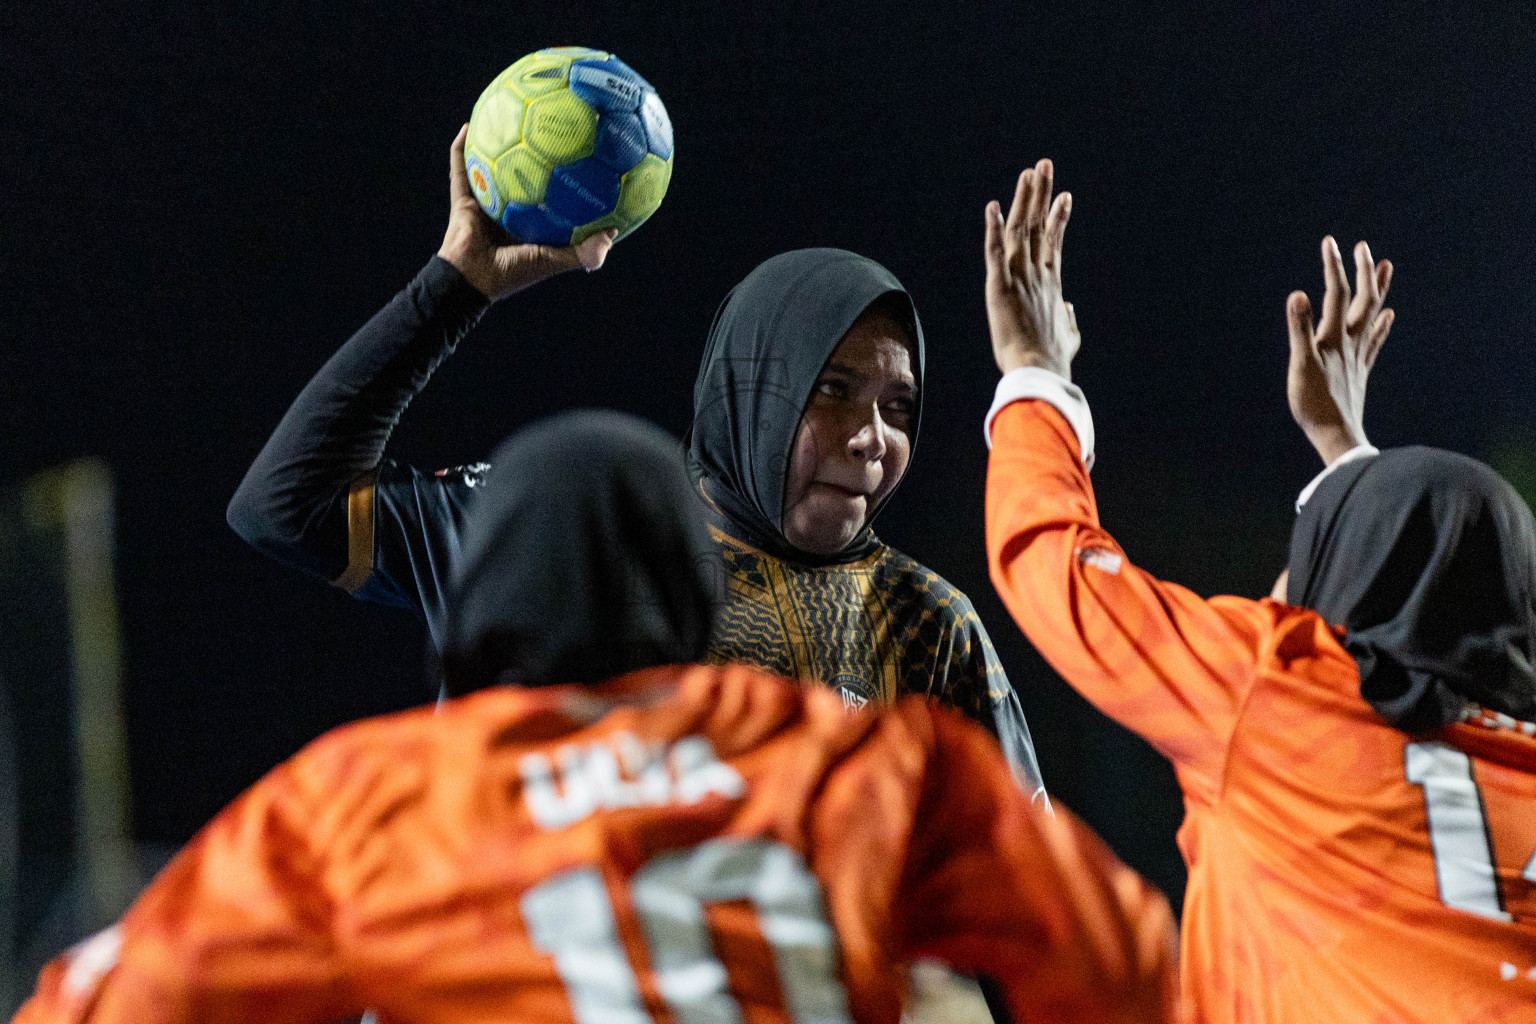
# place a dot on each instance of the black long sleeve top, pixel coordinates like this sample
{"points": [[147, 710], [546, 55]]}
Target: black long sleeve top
{"points": [[321, 496]]}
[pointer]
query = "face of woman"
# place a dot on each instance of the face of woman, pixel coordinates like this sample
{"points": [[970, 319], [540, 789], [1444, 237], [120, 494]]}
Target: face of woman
{"points": [[854, 439]]}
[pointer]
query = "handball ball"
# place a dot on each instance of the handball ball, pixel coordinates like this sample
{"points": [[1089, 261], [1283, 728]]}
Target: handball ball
{"points": [[567, 142]]}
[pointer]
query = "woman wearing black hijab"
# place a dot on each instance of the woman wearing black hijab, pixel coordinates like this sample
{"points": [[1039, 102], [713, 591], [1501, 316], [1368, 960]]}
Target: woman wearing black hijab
{"points": [[1427, 559], [806, 411], [1358, 762], [792, 479], [631, 588]]}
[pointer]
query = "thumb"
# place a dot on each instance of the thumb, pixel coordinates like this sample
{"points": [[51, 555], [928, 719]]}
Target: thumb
{"points": [[591, 253], [1298, 322], [1379, 331], [549, 260], [992, 247]]}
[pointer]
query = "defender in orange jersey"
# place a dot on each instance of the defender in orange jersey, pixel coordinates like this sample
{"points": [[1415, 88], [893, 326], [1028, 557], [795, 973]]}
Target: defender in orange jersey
{"points": [[1358, 765], [593, 833]]}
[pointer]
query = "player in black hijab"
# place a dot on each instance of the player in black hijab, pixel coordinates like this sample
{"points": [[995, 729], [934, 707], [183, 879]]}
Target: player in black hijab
{"points": [[790, 398], [1425, 558], [633, 585], [1428, 560]]}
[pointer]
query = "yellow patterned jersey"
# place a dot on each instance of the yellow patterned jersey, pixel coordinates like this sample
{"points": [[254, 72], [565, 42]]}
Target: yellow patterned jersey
{"points": [[874, 630]]}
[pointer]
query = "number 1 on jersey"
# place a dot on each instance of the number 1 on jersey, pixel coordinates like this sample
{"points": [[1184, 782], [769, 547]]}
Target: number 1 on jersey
{"points": [[1458, 830], [571, 918]]}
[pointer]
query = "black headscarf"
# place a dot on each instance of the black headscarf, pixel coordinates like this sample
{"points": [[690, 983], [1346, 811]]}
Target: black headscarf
{"points": [[1428, 560], [585, 557], [770, 339]]}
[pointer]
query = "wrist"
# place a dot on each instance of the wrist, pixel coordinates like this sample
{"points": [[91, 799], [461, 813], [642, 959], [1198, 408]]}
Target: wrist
{"points": [[1016, 357], [1332, 441], [456, 252]]}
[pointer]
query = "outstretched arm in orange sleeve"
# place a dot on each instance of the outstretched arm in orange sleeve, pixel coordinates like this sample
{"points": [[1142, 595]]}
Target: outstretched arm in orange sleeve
{"points": [[1162, 661]]}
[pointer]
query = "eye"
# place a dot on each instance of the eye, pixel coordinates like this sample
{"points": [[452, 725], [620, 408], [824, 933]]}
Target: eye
{"points": [[901, 408], [832, 388]]}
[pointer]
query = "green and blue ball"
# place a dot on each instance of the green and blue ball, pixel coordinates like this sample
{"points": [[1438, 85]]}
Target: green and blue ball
{"points": [[567, 142]]}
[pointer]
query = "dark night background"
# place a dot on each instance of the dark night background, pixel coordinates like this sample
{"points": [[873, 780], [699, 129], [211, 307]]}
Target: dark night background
{"points": [[197, 206]]}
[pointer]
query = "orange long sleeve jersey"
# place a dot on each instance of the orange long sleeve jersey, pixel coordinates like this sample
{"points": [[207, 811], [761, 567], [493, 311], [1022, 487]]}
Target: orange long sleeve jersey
{"points": [[1339, 870], [680, 846]]}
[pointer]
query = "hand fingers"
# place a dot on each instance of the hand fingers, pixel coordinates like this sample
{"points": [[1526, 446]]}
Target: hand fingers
{"points": [[1072, 317], [549, 260], [1367, 298], [458, 178], [1336, 293], [1365, 272], [1039, 200], [1014, 236], [1383, 279], [1379, 331], [997, 262], [1055, 231]]}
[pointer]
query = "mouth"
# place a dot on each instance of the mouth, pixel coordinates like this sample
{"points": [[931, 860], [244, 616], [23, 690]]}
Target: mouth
{"points": [[841, 491]]}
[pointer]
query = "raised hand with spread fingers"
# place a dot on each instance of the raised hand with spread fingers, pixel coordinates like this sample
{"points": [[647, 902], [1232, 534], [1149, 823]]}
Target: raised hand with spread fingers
{"points": [[1331, 361], [1031, 323]]}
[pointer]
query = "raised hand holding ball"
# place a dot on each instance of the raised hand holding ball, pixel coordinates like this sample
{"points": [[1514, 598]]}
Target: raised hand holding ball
{"points": [[479, 250]]}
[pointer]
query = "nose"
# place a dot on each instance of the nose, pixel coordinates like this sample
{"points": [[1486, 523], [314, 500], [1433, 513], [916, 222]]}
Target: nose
{"points": [[868, 442]]}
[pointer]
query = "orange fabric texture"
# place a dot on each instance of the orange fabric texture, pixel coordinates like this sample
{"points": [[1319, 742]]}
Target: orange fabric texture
{"points": [[1312, 828], [611, 855]]}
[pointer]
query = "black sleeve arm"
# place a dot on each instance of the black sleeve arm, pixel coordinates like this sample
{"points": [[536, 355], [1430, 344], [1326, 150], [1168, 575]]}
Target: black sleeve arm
{"points": [[317, 470], [1001, 711]]}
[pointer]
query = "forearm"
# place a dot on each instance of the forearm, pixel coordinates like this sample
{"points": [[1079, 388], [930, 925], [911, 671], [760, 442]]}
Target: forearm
{"points": [[1008, 724], [1118, 960], [292, 504], [1040, 520], [1125, 946]]}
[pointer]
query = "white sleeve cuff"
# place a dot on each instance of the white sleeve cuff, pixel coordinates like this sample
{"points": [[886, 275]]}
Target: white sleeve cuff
{"points": [[1032, 382], [1359, 451]]}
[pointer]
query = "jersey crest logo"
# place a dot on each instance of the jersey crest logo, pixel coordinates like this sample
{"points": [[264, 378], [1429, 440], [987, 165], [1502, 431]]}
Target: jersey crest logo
{"points": [[856, 692]]}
